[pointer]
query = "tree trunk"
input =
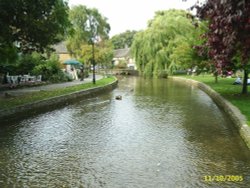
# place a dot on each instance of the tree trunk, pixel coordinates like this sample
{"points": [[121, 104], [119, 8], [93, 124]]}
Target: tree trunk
{"points": [[93, 61], [244, 86], [216, 76]]}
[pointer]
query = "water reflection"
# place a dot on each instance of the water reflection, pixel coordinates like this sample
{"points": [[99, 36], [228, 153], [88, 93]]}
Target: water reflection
{"points": [[162, 134]]}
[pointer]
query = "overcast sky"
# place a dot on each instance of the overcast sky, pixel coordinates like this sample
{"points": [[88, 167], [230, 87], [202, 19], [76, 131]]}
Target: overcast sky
{"points": [[131, 14]]}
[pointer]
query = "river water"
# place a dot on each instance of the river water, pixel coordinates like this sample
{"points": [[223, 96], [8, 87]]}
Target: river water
{"points": [[161, 134]]}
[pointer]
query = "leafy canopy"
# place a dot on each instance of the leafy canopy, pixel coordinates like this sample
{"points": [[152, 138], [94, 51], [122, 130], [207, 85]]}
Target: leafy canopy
{"points": [[229, 33], [103, 54], [157, 49], [32, 25], [88, 26], [123, 40]]}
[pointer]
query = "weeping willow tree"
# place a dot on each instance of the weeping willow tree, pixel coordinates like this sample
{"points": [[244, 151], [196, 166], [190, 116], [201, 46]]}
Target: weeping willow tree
{"points": [[166, 44], [185, 53]]}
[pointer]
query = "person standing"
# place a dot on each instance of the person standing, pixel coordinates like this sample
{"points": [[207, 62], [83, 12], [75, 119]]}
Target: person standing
{"points": [[82, 73]]}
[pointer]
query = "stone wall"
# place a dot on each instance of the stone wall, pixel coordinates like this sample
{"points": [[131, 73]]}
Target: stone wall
{"points": [[233, 112], [54, 102]]}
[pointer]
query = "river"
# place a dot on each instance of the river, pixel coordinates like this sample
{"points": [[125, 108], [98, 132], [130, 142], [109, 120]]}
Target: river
{"points": [[161, 134]]}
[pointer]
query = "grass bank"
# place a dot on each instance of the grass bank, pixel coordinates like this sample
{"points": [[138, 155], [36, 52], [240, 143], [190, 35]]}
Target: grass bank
{"points": [[229, 91], [6, 103]]}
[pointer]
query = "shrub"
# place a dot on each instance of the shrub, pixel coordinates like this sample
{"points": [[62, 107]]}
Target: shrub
{"points": [[60, 77], [27, 63], [51, 70], [121, 64], [162, 74]]}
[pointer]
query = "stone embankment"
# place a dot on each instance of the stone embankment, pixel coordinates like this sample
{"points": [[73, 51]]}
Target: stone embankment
{"points": [[233, 112], [54, 102]]}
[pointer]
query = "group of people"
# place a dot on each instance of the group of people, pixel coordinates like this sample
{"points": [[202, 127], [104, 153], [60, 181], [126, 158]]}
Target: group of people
{"points": [[75, 73], [239, 81]]}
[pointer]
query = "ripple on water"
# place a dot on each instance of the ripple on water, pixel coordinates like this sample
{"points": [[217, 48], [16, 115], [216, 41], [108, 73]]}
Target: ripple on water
{"points": [[171, 136]]}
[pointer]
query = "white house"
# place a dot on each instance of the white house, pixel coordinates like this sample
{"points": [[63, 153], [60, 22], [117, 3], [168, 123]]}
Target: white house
{"points": [[124, 55]]}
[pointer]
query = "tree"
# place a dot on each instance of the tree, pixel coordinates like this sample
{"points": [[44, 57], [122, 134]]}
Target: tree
{"points": [[229, 33], [32, 25], [80, 17], [103, 54], [8, 56], [123, 40], [27, 26], [156, 48], [185, 54], [89, 27]]}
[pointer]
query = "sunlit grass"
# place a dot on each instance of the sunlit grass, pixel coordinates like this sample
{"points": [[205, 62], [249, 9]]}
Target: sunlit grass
{"points": [[229, 91], [10, 102]]}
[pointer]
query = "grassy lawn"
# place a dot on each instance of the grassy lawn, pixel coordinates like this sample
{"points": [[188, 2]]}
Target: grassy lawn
{"points": [[6, 103], [228, 91]]}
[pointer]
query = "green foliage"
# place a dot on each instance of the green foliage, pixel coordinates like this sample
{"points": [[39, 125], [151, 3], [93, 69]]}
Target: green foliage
{"points": [[123, 40], [32, 25], [88, 26], [50, 70], [86, 54], [148, 72], [121, 64], [8, 57], [228, 34], [36, 64], [103, 54], [167, 44], [27, 63], [78, 19], [8, 54]]}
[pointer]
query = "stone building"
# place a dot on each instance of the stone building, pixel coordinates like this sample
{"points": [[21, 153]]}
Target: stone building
{"points": [[62, 52], [124, 55]]}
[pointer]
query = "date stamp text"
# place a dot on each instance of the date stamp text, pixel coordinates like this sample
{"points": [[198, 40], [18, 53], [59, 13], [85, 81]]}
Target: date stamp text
{"points": [[223, 178]]}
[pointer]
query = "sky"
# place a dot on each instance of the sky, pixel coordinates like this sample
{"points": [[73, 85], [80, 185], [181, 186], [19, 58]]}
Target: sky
{"points": [[125, 15]]}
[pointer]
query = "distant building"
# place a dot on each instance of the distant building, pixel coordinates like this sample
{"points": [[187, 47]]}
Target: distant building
{"points": [[124, 55], [62, 52]]}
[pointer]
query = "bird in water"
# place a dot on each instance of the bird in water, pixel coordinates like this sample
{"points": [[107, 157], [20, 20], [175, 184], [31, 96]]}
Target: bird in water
{"points": [[118, 97]]}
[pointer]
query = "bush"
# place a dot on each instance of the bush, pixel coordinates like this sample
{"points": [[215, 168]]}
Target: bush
{"points": [[85, 71], [121, 64], [51, 70], [60, 77], [36, 64], [27, 63], [8, 58], [162, 74]]}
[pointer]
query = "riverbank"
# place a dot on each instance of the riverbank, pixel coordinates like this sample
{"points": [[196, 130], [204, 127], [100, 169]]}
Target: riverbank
{"points": [[227, 96], [14, 104], [153, 137]]}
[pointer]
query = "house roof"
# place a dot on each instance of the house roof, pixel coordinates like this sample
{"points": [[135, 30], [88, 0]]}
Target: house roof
{"points": [[61, 48], [122, 53]]}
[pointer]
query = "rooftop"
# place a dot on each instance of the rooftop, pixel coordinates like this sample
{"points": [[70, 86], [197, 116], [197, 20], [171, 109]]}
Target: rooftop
{"points": [[61, 48], [122, 53]]}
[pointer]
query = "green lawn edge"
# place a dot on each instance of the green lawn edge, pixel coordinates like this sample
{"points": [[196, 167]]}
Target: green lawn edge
{"points": [[7, 103], [227, 90]]}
